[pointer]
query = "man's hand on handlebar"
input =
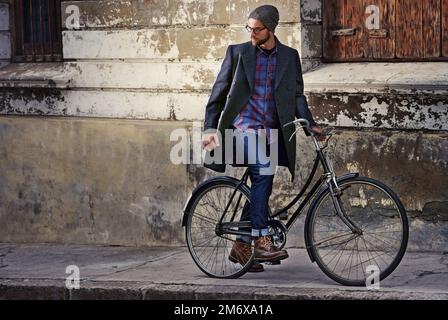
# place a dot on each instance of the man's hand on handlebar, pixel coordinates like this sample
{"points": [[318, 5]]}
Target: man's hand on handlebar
{"points": [[319, 132]]}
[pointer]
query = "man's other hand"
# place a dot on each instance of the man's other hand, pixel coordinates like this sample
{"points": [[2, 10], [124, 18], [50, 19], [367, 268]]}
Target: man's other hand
{"points": [[319, 132], [210, 141]]}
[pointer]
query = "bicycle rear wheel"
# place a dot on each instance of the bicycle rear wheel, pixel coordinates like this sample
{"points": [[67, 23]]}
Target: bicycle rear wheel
{"points": [[345, 256], [209, 248]]}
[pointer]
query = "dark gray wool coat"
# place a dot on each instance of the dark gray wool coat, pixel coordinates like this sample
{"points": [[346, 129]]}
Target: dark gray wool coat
{"points": [[233, 88]]}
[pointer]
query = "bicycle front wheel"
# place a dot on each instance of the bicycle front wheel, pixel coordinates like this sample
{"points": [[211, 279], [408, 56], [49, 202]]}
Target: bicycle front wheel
{"points": [[348, 257], [211, 249]]}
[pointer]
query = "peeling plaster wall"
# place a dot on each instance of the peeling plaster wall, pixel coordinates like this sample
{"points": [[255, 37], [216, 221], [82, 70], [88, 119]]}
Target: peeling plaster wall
{"points": [[386, 111], [89, 181], [173, 48], [140, 59], [169, 49], [110, 181]]}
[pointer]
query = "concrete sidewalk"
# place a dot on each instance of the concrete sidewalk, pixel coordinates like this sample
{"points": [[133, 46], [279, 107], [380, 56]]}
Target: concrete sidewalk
{"points": [[37, 271]]}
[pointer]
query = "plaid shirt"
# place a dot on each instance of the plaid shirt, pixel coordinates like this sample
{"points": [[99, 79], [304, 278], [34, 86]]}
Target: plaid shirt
{"points": [[260, 111]]}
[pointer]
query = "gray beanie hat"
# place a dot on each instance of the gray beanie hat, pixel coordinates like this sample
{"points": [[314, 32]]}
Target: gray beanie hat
{"points": [[267, 14]]}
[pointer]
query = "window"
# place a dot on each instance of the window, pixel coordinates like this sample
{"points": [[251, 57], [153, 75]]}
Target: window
{"points": [[37, 31]]}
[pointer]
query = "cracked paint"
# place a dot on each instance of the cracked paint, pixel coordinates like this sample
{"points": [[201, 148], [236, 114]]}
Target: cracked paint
{"points": [[381, 111]]}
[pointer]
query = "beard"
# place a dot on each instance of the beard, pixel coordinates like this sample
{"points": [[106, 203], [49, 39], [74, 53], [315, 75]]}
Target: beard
{"points": [[261, 41]]}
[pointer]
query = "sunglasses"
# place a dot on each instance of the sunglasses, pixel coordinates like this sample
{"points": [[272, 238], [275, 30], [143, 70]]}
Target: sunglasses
{"points": [[254, 30]]}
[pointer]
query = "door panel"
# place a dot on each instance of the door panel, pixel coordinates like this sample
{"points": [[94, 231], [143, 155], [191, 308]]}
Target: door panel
{"points": [[333, 20], [431, 28], [353, 19], [445, 28], [419, 25], [409, 24], [380, 43]]}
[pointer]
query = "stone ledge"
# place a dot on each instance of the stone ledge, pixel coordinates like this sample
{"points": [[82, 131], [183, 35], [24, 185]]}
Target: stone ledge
{"points": [[35, 75], [403, 78]]}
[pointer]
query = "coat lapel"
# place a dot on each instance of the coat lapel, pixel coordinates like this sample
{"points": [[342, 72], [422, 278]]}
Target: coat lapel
{"points": [[249, 62], [282, 62], [250, 59]]}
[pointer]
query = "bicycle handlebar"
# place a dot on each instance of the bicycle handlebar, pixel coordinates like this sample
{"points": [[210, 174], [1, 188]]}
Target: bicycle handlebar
{"points": [[305, 124], [304, 121]]}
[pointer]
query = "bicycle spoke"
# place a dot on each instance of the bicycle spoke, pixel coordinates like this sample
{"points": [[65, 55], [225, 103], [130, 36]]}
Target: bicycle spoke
{"points": [[383, 252], [204, 250], [204, 218], [368, 251], [360, 258], [356, 265], [332, 238], [205, 241], [210, 256], [338, 245], [349, 259], [340, 256], [387, 243]]}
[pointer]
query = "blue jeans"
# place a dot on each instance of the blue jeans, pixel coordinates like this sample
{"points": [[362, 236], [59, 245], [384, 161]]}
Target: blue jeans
{"points": [[261, 177]]}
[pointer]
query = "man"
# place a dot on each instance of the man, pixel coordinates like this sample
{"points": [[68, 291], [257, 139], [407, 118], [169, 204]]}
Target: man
{"points": [[259, 86]]}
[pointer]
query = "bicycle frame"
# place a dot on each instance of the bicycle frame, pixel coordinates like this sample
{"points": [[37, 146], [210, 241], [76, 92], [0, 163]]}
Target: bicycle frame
{"points": [[328, 177], [228, 225]]}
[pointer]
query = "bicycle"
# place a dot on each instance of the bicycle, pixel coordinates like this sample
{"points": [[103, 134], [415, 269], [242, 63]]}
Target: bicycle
{"points": [[352, 222]]}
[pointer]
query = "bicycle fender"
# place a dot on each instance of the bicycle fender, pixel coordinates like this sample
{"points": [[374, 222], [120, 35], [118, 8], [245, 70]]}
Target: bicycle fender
{"points": [[198, 189], [307, 220]]}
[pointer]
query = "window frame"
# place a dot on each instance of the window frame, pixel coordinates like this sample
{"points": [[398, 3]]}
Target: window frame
{"points": [[21, 52]]}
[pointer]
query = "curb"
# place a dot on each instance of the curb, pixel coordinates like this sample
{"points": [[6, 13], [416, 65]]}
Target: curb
{"points": [[44, 289]]}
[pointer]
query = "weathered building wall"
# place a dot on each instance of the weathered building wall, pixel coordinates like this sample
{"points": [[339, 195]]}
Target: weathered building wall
{"points": [[111, 181], [89, 181], [149, 59], [99, 172], [161, 55]]}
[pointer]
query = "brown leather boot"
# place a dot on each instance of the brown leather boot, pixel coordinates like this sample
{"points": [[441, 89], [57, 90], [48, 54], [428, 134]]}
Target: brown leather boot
{"points": [[241, 253], [266, 251]]}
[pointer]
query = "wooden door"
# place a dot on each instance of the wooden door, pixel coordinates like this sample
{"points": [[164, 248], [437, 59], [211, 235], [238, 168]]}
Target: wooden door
{"points": [[445, 28], [420, 29], [372, 30]]}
